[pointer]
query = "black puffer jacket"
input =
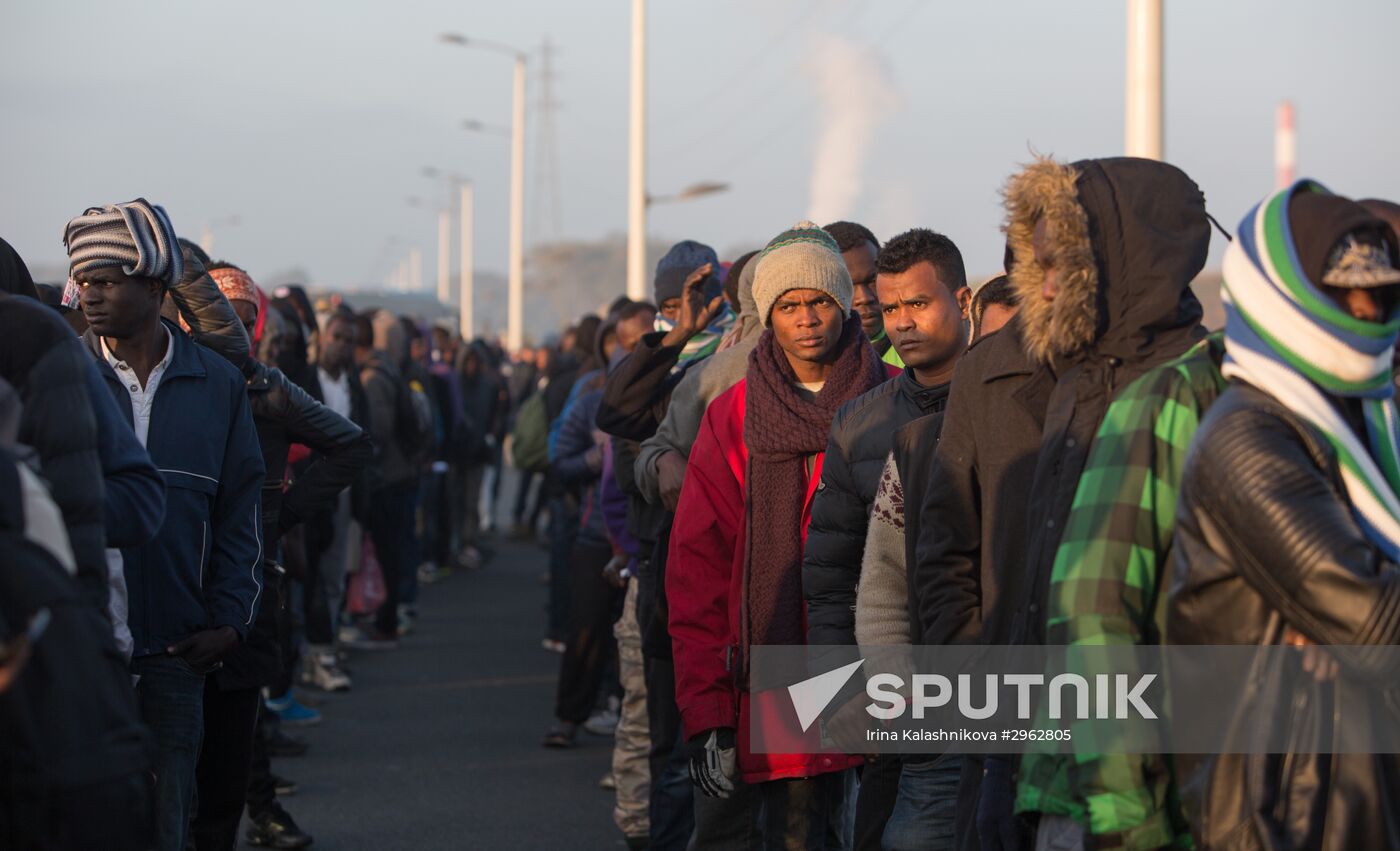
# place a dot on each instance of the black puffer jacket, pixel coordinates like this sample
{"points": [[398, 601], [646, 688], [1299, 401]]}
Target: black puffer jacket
{"points": [[1265, 537], [862, 435], [196, 299], [48, 367]]}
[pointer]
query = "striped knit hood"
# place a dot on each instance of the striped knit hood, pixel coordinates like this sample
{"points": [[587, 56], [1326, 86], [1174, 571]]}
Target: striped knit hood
{"points": [[1284, 336], [1128, 236]]}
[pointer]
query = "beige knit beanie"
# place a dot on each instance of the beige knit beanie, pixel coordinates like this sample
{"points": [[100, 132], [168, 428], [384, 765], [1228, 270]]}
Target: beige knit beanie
{"points": [[803, 257]]}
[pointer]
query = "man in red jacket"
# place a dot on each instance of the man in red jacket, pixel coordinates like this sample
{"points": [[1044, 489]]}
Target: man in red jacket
{"points": [[734, 578]]}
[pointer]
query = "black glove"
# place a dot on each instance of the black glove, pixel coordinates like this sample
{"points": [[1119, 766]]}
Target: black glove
{"points": [[713, 762], [997, 828]]}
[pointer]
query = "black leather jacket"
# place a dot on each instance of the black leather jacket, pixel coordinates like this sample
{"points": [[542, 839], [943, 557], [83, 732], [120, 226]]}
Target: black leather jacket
{"points": [[284, 414], [1265, 538]]}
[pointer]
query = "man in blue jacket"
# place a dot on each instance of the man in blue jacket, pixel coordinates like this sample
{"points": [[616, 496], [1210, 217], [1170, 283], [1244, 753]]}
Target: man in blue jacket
{"points": [[194, 590]]}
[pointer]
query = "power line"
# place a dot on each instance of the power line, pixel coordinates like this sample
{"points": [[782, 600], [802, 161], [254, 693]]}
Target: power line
{"points": [[546, 203]]}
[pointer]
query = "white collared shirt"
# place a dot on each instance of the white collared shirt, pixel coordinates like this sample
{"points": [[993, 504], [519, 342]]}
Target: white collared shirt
{"points": [[336, 392], [142, 398]]}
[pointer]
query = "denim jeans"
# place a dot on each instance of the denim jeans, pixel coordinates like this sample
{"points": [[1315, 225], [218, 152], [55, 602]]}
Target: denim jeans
{"points": [[563, 529], [879, 789], [926, 805], [171, 695]]}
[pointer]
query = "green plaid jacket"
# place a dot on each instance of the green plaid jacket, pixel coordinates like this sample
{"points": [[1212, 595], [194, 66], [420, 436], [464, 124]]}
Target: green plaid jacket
{"points": [[1105, 590]]}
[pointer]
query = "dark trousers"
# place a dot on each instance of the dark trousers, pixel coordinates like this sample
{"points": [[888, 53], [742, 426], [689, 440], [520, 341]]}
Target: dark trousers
{"points": [[224, 762], [466, 507], [522, 509], [879, 788], [781, 815], [262, 789], [590, 642], [391, 528], [672, 806], [563, 529], [438, 523], [171, 696]]}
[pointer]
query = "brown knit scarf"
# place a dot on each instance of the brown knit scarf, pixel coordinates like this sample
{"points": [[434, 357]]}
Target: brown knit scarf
{"points": [[782, 428]]}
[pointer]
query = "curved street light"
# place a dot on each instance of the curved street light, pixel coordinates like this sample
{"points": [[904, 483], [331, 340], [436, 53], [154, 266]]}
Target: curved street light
{"points": [[690, 193], [482, 127], [516, 277]]}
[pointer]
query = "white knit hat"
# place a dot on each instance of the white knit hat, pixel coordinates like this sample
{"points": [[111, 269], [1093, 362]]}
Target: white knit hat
{"points": [[803, 257]]}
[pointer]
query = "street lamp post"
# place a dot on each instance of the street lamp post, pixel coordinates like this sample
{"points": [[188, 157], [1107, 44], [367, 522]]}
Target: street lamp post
{"points": [[637, 159], [444, 259], [516, 273], [1143, 134], [466, 320]]}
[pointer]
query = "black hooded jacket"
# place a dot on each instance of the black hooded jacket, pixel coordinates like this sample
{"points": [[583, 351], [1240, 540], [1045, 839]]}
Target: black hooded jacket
{"points": [[1147, 235]]}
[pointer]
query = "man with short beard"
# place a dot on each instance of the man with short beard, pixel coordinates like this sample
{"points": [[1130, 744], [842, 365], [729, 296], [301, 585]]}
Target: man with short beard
{"points": [[735, 573], [923, 296]]}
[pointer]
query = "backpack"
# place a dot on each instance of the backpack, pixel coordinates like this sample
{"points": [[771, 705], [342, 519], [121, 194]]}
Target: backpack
{"points": [[76, 758], [414, 424], [417, 426], [529, 438]]}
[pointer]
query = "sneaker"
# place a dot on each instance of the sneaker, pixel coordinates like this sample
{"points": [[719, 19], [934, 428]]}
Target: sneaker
{"points": [[283, 786], [322, 672], [408, 619], [348, 633], [553, 645], [607, 781], [373, 640], [428, 573], [274, 828], [281, 744], [292, 713], [561, 735], [602, 722]]}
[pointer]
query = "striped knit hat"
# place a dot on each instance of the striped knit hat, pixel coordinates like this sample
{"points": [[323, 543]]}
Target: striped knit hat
{"points": [[136, 236], [803, 257]]}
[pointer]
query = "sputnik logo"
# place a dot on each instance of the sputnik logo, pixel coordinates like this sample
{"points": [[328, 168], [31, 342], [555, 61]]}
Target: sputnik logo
{"points": [[811, 696]]}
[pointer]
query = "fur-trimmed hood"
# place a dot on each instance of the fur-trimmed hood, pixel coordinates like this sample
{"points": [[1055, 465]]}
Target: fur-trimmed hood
{"points": [[1128, 236]]}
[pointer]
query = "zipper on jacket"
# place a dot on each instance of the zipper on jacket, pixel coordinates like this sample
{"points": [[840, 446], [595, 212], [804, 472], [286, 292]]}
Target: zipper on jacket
{"points": [[203, 541]]}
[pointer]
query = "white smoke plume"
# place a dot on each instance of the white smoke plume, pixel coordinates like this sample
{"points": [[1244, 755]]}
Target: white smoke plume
{"points": [[855, 95]]}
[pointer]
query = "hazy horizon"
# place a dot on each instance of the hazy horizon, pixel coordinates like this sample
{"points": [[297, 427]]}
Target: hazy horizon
{"points": [[312, 122]]}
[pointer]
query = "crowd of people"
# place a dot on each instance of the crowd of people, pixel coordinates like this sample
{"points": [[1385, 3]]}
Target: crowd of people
{"points": [[240, 489], [214, 495]]}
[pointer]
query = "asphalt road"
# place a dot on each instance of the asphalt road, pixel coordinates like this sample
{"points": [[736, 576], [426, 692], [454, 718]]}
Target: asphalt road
{"points": [[438, 744]]}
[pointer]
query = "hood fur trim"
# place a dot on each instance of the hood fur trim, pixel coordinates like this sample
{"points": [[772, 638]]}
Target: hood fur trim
{"points": [[1046, 188]]}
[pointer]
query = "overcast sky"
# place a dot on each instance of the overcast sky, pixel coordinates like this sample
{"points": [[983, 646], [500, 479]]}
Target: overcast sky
{"points": [[311, 121]]}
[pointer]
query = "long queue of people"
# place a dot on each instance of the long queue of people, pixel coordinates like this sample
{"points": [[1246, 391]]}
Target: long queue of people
{"points": [[836, 440], [210, 498]]}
